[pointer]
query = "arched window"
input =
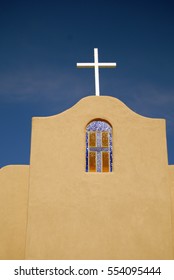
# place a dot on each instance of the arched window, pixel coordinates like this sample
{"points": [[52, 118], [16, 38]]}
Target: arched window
{"points": [[98, 146]]}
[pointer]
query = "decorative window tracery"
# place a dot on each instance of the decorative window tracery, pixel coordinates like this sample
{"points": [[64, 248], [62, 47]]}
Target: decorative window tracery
{"points": [[98, 146]]}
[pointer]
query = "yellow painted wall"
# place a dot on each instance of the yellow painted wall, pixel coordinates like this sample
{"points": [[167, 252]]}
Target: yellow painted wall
{"points": [[125, 214], [13, 211], [171, 176]]}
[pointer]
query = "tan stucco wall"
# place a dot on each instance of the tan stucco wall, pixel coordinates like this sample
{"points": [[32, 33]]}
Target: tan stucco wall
{"points": [[13, 211], [125, 214], [171, 176]]}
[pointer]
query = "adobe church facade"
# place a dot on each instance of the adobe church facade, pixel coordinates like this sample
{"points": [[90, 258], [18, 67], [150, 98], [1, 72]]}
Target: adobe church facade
{"points": [[83, 197]]}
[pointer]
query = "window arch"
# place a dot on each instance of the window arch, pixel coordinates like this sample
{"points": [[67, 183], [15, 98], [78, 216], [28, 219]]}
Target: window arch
{"points": [[98, 146]]}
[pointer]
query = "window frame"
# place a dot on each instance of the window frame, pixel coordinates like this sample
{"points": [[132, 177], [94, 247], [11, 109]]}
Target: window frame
{"points": [[99, 127]]}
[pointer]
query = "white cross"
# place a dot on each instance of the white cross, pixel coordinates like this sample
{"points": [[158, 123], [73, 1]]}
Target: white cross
{"points": [[96, 65]]}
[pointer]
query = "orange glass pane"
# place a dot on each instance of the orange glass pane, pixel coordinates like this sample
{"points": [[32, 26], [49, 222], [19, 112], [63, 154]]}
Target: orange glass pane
{"points": [[105, 161], [105, 139], [92, 161], [92, 139]]}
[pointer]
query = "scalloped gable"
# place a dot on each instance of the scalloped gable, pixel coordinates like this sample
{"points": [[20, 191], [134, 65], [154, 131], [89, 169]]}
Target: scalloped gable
{"points": [[102, 104]]}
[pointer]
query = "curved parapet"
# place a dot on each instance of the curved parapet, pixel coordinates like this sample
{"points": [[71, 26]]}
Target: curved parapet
{"points": [[102, 103]]}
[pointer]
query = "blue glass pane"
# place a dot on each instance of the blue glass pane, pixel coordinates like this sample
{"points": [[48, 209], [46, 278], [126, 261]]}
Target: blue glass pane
{"points": [[110, 144], [86, 152], [99, 126]]}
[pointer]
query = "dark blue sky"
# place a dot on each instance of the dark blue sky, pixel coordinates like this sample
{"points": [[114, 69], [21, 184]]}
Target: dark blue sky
{"points": [[41, 41]]}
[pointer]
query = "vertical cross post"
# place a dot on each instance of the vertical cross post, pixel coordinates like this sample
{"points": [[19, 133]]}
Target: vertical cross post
{"points": [[97, 86]]}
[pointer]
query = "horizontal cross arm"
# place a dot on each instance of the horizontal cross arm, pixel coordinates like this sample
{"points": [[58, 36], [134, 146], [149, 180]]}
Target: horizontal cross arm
{"points": [[107, 65], [100, 65], [85, 65]]}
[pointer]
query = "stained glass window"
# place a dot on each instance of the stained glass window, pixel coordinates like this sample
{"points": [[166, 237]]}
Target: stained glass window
{"points": [[98, 147]]}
